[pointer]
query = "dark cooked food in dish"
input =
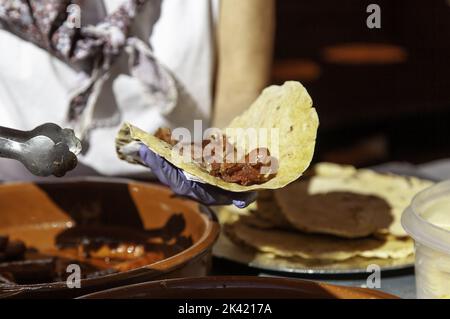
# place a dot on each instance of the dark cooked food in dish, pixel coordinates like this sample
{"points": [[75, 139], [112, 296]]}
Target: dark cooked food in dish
{"points": [[11, 250], [97, 249], [248, 170]]}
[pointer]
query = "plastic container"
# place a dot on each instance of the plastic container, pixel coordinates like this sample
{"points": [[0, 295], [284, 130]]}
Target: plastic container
{"points": [[427, 221]]}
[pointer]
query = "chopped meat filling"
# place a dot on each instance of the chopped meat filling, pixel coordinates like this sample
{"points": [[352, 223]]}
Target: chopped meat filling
{"points": [[256, 167]]}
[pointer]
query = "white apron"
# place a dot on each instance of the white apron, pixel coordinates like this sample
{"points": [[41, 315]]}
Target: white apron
{"points": [[35, 88]]}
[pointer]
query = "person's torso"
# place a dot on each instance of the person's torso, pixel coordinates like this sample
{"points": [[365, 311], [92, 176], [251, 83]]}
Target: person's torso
{"points": [[35, 88]]}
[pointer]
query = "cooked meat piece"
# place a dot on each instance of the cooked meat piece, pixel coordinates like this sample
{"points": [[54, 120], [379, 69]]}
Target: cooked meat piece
{"points": [[165, 134], [256, 167]]}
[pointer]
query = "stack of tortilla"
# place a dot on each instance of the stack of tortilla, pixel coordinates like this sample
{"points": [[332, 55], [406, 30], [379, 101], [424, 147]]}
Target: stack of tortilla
{"points": [[338, 217]]}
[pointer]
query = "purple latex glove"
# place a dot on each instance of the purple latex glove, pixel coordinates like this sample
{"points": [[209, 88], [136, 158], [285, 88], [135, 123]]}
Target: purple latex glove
{"points": [[173, 177]]}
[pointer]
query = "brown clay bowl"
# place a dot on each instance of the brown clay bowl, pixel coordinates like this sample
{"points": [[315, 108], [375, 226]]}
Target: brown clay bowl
{"points": [[38, 213], [237, 287]]}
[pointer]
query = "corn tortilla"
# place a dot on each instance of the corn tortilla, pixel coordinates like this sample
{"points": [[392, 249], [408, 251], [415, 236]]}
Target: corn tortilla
{"points": [[339, 213], [317, 247], [397, 191], [269, 211], [269, 260], [287, 108]]}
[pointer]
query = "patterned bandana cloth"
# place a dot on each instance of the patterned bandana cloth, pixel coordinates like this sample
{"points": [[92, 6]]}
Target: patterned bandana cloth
{"points": [[93, 49]]}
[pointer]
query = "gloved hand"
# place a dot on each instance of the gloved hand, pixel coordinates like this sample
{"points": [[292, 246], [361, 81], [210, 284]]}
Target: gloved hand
{"points": [[173, 177]]}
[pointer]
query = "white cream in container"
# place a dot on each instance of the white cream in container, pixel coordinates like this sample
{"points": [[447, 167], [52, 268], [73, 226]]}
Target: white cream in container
{"points": [[427, 221]]}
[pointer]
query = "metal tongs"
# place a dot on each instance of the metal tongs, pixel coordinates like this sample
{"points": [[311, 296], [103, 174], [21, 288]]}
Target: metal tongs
{"points": [[46, 150]]}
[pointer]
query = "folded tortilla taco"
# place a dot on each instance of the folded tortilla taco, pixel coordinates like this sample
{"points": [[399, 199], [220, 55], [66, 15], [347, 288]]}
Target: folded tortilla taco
{"points": [[283, 113]]}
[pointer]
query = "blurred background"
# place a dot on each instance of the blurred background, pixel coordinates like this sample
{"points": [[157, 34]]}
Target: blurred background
{"points": [[382, 94]]}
